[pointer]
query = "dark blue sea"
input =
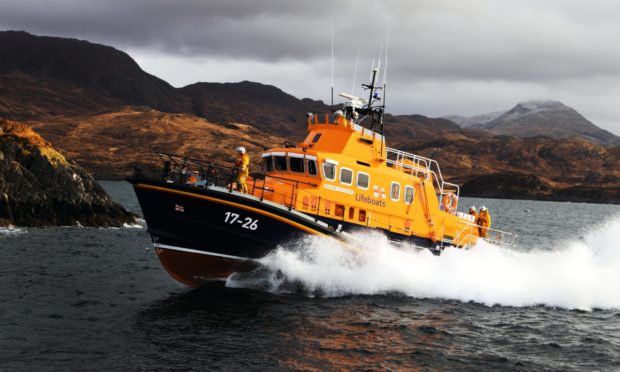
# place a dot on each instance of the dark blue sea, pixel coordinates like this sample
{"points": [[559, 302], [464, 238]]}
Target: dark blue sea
{"points": [[75, 298]]}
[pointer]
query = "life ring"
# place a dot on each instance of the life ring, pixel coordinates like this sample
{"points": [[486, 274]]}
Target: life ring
{"points": [[450, 202]]}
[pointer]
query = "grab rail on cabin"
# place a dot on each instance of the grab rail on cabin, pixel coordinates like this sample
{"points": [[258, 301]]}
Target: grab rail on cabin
{"points": [[415, 165], [293, 183]]}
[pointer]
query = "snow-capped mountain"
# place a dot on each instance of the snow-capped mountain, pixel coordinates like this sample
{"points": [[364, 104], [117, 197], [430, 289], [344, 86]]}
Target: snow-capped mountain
{"points": [[539, 118]]}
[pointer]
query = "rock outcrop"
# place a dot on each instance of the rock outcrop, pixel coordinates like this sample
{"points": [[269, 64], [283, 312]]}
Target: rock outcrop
{"points": [[40, 187]]}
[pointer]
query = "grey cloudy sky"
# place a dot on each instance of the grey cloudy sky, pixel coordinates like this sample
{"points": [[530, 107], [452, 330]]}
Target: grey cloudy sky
{"points": [[445, 56]]}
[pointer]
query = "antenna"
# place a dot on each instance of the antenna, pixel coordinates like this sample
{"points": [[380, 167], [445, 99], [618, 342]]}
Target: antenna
{"points": [[379, 62], [355, 71], [332, 105], [387, 38]]}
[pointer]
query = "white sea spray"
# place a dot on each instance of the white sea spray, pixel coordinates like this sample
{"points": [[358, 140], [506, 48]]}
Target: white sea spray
{"points": [[576, 274]]}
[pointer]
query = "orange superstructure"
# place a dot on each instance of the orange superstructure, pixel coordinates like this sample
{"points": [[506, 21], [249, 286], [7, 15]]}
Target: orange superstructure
{"points": [[344, 173]]}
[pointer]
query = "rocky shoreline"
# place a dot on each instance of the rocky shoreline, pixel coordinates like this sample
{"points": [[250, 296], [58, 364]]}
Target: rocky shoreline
{"points": [[39, 186], [511, 185]]}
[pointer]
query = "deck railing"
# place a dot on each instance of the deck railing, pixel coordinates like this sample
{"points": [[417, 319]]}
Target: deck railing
{"points": [[417, 165], [465, 237]]}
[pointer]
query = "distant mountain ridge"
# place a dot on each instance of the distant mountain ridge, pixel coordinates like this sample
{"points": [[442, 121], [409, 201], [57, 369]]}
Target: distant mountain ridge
{"points": [[43, 76], [539, 118]]}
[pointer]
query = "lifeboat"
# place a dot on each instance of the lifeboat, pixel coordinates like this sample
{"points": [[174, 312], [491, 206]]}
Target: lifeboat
{"points": [[340, 179]]}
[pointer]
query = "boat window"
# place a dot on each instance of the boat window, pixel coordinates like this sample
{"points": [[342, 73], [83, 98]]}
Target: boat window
{"points": [[351, 213], [339, 212], [362, 216], [312, 167], [296, 164], [346, 176], [280, 162], [268, 163], [316, 138], [363, 180], [408, 194], [329, 171], [395, 191]]}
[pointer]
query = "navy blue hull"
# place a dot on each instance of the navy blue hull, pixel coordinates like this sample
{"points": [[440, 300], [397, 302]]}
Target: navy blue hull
{"points": [[217, 221]]}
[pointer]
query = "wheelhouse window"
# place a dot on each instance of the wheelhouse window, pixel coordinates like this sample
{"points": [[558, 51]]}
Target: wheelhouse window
{"points": [[312, 167], [395, 191], [296, 165], [346, 176], [268, 163], [316, 138], [408, 194], [329, 171], [363, 180], [280, 163]]}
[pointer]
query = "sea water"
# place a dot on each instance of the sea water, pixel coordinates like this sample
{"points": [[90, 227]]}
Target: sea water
{"points": [[75, 298]]}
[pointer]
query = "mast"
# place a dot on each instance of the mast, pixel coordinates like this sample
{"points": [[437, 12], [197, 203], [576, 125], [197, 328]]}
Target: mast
{"points": [[332, 104], [370, 96]]}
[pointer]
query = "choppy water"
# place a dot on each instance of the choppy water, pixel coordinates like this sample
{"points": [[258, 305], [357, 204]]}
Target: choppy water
{"points": [[97, 299]]}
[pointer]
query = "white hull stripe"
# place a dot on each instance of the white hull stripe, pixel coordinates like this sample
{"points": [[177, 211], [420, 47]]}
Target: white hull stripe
{"points": [[188, 250]]}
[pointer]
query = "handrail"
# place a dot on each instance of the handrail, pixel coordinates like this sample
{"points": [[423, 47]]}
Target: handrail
{"points": [[494, 236], [420, 164]]}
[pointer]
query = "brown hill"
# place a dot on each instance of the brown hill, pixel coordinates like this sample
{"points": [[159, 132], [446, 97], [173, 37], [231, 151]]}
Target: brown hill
{"points": [[110, 144], [43, 77], [263, 106], [533, 167], [48, 75], [274, 111]]}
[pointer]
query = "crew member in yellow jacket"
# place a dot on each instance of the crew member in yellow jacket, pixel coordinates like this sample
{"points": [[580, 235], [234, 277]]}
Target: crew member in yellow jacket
{"points": [[484, 222], [243, 164], [472, 212]]}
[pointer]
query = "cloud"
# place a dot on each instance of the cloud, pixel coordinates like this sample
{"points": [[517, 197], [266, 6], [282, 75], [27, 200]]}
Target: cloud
{"points": [[445, 56]]}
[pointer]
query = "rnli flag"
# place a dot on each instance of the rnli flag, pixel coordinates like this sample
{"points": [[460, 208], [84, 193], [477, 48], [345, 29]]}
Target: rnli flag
{"points": [[179, 208]]}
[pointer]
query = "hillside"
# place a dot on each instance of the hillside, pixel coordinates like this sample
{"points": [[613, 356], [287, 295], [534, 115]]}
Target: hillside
{"points": [[529, 168], [263, 106], [110, 144], [539, 118], [57, 76]]}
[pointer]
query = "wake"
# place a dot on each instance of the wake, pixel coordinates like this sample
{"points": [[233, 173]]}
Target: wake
{"points": [[578, 274]]}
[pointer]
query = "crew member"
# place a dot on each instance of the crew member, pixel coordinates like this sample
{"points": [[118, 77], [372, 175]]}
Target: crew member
{"points": [[339, 118], [484, 222], [243, 165], [193, 178], [472, 211]]}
